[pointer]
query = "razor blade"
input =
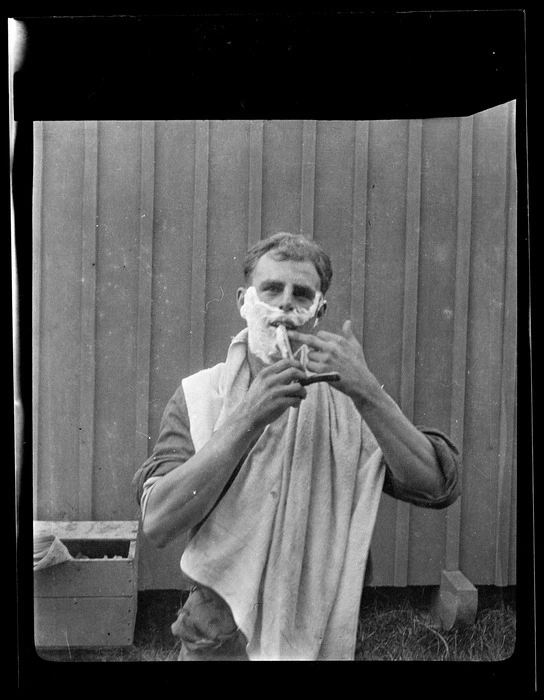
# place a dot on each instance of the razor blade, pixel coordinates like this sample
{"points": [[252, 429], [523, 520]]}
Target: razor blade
{"points": [[323, 377], [286, 352]]}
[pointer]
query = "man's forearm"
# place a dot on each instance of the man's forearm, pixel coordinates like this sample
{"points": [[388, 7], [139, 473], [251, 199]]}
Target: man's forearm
{"points": [[409, 454], [183, 497], [180, 500]]}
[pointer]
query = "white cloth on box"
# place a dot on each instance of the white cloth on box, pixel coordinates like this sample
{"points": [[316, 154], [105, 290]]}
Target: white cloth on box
{"points": [[55, 553]]}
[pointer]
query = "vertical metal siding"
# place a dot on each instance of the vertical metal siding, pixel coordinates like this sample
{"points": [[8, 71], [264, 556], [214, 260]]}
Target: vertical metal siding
{"points": [[435, 312], [173, 223], [460, 319], [139, 233], [88, 321], [383, 320], [59, 321], [490, 238], [307, 186], [359, 227], [282, 176], [118, 264], [409, 329], [255, 193], [37, 300], [228, 226], [333, 211], [200, 247], [143, 328]]}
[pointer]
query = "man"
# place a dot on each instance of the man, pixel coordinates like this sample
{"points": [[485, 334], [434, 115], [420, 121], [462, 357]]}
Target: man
{"points": [[276, 472]]}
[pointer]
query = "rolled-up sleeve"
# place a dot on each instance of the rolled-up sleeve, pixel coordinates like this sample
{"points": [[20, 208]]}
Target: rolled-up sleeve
{"points": [[174, 445], [448, 460]]}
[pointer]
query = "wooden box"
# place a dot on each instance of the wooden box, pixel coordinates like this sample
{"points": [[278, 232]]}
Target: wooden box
{"points": [[90, 600]]}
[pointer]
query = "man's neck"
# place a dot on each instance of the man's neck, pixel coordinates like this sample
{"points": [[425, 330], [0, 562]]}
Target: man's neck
{"points": [[255, 365]]}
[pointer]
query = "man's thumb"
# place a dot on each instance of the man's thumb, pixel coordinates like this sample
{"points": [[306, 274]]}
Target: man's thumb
{"points": [[346, 330]]}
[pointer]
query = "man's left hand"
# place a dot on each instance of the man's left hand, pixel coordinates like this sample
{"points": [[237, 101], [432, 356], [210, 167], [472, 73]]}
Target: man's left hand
{"points": [[407, 451], [329, 352]]}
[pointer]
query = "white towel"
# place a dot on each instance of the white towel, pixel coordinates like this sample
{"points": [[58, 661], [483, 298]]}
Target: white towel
{"points": [[287, 545]]}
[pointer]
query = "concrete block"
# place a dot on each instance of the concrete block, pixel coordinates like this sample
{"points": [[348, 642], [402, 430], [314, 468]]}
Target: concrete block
{"points": [[456, 601]]}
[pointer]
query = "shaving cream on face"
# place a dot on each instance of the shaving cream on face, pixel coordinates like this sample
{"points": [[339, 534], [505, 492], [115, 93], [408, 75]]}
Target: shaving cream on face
{"points": [[260, 316]]}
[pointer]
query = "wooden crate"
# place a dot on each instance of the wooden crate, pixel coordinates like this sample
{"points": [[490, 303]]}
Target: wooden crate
{"points": [[91, 601]]}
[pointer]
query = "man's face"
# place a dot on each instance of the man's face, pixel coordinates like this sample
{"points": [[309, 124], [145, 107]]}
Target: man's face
{"points": [[286, 285]]}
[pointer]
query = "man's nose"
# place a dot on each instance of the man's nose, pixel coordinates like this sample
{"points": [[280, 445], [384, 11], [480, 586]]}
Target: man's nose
{"points": [[287, 302]]}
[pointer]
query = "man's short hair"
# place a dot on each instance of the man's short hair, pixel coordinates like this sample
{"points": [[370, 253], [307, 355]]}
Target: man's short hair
{"points": [[290, 246]]}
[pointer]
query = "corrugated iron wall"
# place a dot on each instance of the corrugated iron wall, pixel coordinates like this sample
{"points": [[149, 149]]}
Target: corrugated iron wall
{"points": [[139, 233]]}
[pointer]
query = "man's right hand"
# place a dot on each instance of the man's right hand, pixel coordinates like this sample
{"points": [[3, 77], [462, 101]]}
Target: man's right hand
{"points": [[273, 390], [181, 499]]}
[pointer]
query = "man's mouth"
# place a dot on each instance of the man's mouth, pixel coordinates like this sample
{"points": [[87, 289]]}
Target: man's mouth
{"points": [[289, 325]]}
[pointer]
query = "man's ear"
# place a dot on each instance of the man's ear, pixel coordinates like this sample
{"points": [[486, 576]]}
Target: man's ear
{"points": [[240, 297], [322, 311]]}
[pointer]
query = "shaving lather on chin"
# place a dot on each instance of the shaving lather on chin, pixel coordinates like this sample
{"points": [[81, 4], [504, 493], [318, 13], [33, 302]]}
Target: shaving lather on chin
{"points": [[267, 333]]}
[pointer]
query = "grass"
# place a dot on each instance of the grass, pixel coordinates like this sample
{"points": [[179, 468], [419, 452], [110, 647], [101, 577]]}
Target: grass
{"points": [[394, 625]]}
